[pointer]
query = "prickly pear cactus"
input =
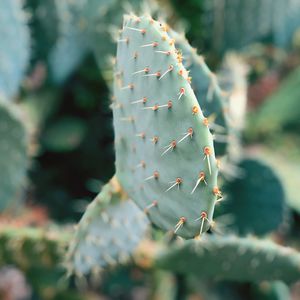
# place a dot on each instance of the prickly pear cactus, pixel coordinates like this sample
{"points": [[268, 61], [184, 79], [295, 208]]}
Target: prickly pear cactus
{"points": [[32, 247], [165, 156], [107, 234], [14, 46], [232, 258], [13, 154]]}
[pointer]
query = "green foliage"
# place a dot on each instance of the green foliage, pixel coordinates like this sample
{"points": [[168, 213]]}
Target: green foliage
{"points": [[232, 258], [252, 196], [162, 172], [13, 154], [108, 233], [14, 47]]}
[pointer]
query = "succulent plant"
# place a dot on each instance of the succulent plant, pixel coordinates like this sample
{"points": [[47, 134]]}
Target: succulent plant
{"points": [[14, 154], [108, 233], [14, 48], [164, 149], [225, 257]]}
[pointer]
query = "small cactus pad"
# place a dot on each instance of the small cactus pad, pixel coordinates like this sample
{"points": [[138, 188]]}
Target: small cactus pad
{"points": [[14, 46], [250, 198], [13, 154], [232, 258], [207, 91], [165, 156], [107, 234], [29, 247]]}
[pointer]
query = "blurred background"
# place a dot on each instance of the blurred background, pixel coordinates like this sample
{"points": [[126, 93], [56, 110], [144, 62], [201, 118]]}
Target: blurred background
{"points": [[56, 68]]}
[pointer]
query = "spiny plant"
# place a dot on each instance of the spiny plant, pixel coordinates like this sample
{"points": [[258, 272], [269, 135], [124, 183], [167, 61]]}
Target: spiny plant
{"points": [[13, 153], [165, 161], [14, 48], [109, 232], [164, 149], [166, 120], [222, 258]]}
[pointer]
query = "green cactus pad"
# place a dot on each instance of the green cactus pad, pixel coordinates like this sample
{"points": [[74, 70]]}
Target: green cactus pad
{"points": [[232, 258], [107, 234], [29, 247], [14, 46], [13, 154], [163, 143], [207, 91], [250, 198]]}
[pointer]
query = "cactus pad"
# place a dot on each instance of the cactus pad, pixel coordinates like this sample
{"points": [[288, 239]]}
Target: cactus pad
{"points": [[14, 47], [252, 197], [107, 234], [232, 258], [13, 154], [164, 149]]}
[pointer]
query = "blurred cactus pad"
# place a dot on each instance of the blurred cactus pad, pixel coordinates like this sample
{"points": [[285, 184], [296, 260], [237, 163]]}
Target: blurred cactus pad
{"points": [[149, 150]]}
